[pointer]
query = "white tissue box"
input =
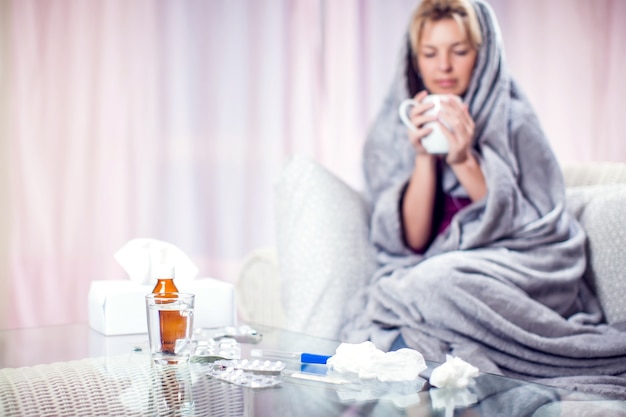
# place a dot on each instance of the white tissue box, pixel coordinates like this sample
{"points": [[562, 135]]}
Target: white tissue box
{"points": [[118, 307]]}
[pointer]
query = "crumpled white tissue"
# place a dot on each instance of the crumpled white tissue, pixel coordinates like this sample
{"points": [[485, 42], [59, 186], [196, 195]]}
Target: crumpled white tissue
{"points": [[368, 362], [140, 258], [453, 373]]}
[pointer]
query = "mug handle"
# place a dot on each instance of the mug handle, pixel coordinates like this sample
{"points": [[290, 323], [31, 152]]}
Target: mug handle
{"points": [[402, 110]]}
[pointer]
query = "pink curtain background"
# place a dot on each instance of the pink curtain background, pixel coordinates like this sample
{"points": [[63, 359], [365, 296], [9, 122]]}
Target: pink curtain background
{"points": [[171, 120]]}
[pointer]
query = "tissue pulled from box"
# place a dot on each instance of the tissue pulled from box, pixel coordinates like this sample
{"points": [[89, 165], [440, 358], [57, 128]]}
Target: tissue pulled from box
{"points": [[365, 360], [141, 257], [453, 373]]}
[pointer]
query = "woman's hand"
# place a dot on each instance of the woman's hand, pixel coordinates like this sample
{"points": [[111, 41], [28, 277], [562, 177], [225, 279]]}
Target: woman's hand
{"points": [[419, 119], [460, 133], [460, 157]]}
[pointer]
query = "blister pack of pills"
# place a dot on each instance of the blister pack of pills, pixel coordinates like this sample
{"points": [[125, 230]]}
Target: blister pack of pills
{"points": [[244, 378], [211, 350], [252, 365]]}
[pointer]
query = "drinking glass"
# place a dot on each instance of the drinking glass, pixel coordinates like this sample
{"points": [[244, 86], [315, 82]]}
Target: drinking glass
{"points": [[170, 327]]}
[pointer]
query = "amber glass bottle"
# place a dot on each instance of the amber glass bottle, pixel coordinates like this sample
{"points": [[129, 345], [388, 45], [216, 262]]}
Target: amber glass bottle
{"points": [[172, 323], [165, 282]]}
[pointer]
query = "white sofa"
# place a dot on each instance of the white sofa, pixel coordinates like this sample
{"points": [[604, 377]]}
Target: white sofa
{"points": [[322, 254]]}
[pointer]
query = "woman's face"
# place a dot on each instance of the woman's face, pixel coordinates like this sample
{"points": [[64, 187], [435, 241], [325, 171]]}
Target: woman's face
{"points": [[445, 57]]}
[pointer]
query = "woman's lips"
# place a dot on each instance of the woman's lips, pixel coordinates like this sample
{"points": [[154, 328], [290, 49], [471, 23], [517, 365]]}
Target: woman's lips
{"points": [[446, 83]]}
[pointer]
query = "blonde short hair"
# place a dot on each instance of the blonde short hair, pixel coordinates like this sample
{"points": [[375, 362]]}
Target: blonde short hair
{"points": [[461, 11]]}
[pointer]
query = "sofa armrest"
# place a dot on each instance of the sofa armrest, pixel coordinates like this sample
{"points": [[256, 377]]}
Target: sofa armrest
{"points": [[594, 173]]}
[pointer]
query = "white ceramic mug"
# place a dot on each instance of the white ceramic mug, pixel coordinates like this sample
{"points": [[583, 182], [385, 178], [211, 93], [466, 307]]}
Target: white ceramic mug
{"points": [[435, 142]]}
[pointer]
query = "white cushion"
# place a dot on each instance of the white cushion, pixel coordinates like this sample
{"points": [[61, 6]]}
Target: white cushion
{"points": [[601, 210], [324, 254]]}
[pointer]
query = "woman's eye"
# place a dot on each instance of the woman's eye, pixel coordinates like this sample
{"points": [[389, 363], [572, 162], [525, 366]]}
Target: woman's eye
{"points": [[428, 55], [461, 52]]}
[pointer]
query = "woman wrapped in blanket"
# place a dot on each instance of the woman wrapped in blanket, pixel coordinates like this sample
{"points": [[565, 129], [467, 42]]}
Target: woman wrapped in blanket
{"points": [[478, 255]]}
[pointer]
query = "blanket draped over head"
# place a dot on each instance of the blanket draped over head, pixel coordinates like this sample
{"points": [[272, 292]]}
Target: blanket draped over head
{"points": [[502, 287]]}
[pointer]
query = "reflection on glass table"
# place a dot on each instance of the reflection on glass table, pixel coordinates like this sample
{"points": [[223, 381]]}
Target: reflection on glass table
{"points": [[127, 383]]}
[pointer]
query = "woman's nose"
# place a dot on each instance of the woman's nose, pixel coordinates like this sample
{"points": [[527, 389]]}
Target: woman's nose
{"points": [[444, 62]]}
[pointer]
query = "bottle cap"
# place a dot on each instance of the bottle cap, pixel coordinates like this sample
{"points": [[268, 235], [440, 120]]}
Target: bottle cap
{"points": [[163, 271]]}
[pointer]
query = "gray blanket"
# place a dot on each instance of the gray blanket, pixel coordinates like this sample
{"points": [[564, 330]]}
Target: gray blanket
{"points": [[502, 287]]}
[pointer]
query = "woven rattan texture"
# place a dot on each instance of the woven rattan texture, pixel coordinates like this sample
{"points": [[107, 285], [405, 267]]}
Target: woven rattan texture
{"points": [[116, 386]]}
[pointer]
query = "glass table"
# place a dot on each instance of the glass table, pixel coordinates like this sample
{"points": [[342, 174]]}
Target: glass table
{"points": [[75, 371]]}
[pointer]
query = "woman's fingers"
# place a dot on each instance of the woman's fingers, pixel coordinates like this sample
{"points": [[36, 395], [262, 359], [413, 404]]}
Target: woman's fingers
{"points": [[420, 96], [419, 119], [415, 138], [457, 117]]}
